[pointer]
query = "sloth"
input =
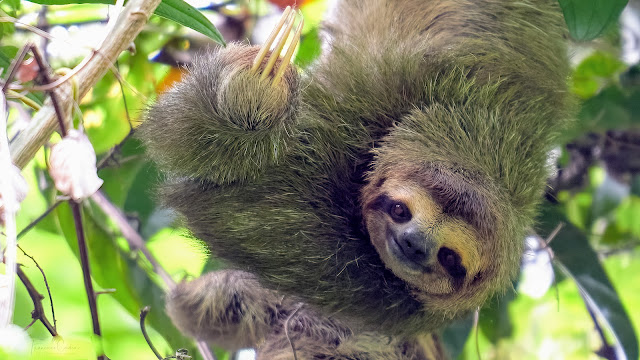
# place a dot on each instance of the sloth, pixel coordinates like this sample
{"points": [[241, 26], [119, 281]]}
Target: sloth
{"points": [[371, 200]]}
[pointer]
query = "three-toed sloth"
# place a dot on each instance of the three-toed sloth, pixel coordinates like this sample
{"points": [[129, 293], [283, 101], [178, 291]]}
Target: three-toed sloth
{"points": [[377, 196]]}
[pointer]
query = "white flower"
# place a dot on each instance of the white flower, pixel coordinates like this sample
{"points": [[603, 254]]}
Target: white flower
{"points": [[17, 190], [14, 340], [72, 166]]}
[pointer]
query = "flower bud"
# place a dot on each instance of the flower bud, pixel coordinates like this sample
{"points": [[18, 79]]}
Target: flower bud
{"points": [[72, 166]]}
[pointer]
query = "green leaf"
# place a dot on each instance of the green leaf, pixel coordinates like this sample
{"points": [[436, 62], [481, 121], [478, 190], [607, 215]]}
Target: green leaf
{"points": [[587, 19], [455, 335], [310, 48], [111, 268], [185, 14], [494, 319], [6, 54], [574, 254], [175, 10], [594, 72]]}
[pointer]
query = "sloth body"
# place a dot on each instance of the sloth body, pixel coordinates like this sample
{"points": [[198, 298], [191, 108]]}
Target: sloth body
{"points": [[377, 197]]}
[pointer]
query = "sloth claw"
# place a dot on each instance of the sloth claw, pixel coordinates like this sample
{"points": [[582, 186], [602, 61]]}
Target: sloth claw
{"points": [[286, 21]]}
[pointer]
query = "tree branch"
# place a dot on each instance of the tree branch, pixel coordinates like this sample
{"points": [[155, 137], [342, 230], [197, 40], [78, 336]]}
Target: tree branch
{"points": [[46, 284], [129, 24], [36, 297]]}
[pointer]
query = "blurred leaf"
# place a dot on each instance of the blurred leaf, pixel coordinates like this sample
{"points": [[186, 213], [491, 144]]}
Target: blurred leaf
{"points": [[595, 71], [107, 265], [612, 235], [456, 334], [13, 5], [573, 252], [635, 185], [609, 109], [578, 209], [7, 53], [175, 10], [627, 215], [587, 19], [607, 196], [494, 319], [309, 50]]}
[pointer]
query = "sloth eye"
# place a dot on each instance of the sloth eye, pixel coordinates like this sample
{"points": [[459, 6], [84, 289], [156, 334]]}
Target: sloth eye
{"points": [[399, 212], [450, 261]]}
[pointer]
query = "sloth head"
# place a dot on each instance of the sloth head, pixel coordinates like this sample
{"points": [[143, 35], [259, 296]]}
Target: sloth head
{"points": [[436, 229]]}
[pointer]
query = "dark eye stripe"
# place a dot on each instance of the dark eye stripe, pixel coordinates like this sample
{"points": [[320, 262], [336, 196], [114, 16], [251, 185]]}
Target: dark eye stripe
{"points": [[450, 261]]}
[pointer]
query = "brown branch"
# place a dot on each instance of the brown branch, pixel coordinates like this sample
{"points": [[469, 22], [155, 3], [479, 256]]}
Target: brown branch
{"points": [[36, 297], [44, 72], [38, 219], [46, 284], [15, 66]]}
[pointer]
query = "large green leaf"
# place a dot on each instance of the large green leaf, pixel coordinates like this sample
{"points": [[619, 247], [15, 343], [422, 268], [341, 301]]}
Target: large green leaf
{"points": [[111, 268], [579, 261], [589, 18], [175, 10]]}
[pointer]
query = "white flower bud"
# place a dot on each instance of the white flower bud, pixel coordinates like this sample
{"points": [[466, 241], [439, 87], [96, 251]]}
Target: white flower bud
{"points": [[14, 340], [17, 190], [72, 166]]}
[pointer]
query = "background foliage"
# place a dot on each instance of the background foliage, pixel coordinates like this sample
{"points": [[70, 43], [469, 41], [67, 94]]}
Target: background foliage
{"points": [[575, 314]]}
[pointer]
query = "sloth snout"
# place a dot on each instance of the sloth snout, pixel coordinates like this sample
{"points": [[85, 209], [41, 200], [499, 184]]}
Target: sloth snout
{"points": [[416, 246]]}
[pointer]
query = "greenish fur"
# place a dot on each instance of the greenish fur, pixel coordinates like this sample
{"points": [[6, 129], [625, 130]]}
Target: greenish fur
{"points": [[475, 90]]}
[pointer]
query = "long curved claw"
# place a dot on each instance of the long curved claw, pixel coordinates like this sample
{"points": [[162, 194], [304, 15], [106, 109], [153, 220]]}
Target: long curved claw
{"points": [[287, 56], [286, 21]]}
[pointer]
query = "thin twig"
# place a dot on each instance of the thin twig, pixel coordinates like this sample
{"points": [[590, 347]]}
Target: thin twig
{"points": [[286, 330], [36, 297], [38, 219], [113, 151], [15, 66], [44, 72], [46, 284], [143, 315]]}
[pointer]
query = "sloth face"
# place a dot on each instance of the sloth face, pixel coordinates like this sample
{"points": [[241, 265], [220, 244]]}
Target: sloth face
{"points": [[431, 243]]}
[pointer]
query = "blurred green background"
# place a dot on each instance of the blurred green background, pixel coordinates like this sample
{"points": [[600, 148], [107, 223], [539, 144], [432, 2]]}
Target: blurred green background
{"points": [[595, 193]]}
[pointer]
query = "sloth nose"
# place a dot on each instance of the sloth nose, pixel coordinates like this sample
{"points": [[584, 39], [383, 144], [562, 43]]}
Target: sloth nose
{"points": [[416, 246]]}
